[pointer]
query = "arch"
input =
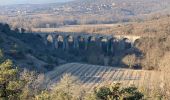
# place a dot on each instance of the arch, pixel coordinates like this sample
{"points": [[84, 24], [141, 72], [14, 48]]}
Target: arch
{"points": [[127, 43], [59, 38], [81, 42], [49, 38], [126, 40], [59, 41], [69, 41], [91, 39], [110, 42], [136, 42], [112, 45], [70, 38], [103, 39], [81, 39], [103, 43]]}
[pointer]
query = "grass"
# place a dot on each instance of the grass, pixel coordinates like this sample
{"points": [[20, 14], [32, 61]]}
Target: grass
{"points": [[153, 26], [94, 75]]}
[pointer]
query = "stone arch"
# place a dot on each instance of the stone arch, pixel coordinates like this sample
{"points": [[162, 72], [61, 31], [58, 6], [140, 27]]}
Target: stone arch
{"points": [[126, 40], [49, 38], [70, 41], [91, 39], [81, 42], [103, 39], [90, 42], [103, 43], [111, 44], [127, 43], [70, 38], [136, 42], [81, 39], [59, 38], [59, 41]]}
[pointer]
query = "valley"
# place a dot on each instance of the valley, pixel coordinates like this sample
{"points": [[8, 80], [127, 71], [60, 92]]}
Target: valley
{"points": [[85, 50]]}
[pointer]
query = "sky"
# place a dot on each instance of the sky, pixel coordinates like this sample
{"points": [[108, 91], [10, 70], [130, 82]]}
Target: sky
{"points": [[10, 2]]}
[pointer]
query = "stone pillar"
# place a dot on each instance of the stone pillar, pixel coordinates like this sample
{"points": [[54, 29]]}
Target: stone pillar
{"points": [[121, 45], [56, 44], [100, 42], [110, 46], [86, 43], [76, 44], [106, 61], [107, 44], [132, 44], [66, 43]]}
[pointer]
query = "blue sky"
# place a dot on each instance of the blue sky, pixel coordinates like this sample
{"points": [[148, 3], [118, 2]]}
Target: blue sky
{"points": [[9, 2]]}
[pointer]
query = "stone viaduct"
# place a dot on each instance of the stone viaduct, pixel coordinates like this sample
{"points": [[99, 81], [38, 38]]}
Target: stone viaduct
{"points": [[65, 41]]}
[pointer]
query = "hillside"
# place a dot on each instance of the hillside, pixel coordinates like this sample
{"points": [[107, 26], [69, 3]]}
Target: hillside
{"points": [[95, 76], [121, 8], [29, 55], [17, 50], [85, 50]]}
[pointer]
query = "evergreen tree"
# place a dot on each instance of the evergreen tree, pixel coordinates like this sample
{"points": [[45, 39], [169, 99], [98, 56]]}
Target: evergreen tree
{"points": [[10, 85]]}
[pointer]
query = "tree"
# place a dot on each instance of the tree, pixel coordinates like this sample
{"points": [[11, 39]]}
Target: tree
{"points": [[130, 60], [33, 84], [115, 92], [68, 88], [44, 95], [10, 85]]}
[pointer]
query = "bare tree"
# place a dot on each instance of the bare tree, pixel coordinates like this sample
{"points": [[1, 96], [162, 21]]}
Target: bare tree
{"points": [[130, 60], [68, 88]]}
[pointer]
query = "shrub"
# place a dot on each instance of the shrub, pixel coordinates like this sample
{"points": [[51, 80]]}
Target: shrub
{"points": [[115, 92]]}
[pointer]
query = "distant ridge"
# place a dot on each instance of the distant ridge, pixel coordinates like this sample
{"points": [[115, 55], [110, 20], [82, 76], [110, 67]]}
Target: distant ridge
{"points": [[90, 11]]}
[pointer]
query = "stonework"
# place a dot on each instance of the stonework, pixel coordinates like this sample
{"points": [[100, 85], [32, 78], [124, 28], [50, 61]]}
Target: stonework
{"points": [[72, 40]]}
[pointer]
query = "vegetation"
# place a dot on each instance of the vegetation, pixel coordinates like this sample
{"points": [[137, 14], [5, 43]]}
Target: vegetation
{"points": [[114, 92], [88, 12], [16, 84], [28, 86], [67, 89], [130, 60], [10, 84], [26, 62]]}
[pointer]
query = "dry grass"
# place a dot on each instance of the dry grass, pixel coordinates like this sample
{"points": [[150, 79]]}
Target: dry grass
{"points": [[78, 28], [136, 28]]}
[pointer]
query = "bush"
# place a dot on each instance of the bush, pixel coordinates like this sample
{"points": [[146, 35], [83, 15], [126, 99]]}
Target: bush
{"points": [[115, 92]]}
